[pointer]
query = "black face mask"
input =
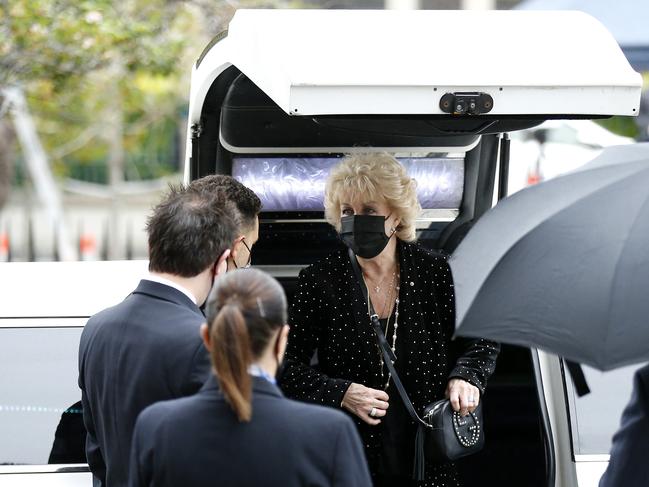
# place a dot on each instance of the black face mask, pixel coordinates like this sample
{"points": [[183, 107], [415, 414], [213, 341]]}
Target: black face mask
{"points": [[364, 234]]}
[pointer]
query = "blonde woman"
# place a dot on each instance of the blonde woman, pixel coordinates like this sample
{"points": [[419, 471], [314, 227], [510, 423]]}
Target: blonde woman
{"points": [[372, 203]]}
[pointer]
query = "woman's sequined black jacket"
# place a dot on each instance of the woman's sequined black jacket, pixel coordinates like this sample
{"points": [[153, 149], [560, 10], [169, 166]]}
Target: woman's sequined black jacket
{"points": [[329, 315]]}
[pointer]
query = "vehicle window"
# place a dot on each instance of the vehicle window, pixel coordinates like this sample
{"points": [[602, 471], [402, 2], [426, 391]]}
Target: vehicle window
{"points": [[595, 417], [297, 183], [39, 395]]}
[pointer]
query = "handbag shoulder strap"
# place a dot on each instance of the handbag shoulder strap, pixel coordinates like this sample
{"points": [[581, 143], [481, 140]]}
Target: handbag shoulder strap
{"points": [[388, 355]]}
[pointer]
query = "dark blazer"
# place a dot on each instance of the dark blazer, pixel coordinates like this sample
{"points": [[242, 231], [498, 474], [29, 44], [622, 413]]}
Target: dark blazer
{"points": [[329, 315], [198, 441], [629, 465], [144, 350]]}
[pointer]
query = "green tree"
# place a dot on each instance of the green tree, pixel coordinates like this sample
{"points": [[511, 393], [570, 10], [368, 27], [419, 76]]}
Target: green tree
{"points": [[80, 63], [84, 66], [106, 81], [61, 41]]}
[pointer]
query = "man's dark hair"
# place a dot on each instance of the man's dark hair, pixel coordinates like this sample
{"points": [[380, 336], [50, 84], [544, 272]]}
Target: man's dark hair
{"points": [[227, 188], [188, 232]]}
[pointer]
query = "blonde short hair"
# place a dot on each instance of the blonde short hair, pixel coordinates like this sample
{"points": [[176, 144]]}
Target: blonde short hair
{"points": [[373, 177]]}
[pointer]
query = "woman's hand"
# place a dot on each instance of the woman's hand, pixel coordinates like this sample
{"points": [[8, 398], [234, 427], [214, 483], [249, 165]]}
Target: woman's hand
{"points": [[362, 401], [464, 397]]}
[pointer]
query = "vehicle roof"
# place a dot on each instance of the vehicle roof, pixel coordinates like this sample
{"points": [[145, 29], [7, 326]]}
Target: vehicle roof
{"points": [[66, 289], [338, 62]]}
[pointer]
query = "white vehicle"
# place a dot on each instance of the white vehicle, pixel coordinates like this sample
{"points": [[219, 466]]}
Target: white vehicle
{"points": [[556, 147], [44, 308], [276, 102]]}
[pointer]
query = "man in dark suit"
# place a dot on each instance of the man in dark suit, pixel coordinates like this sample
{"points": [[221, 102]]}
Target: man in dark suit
{"points": [[148, 348], [628, 465]]}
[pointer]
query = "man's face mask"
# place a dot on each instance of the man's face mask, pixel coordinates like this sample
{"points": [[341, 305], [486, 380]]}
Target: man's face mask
{"points": [[249, 261], [364, 234]]}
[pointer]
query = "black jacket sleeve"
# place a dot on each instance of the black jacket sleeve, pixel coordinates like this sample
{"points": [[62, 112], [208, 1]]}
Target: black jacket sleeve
{"points": [[628, 464], [477, 362], [140, 468], [199, 371], [477, 357], [349, 465], [307, 319], [93, 453]]}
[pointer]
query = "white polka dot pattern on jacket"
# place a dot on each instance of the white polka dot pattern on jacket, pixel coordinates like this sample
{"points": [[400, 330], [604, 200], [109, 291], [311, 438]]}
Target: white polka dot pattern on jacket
{"points": [[329, 315]]}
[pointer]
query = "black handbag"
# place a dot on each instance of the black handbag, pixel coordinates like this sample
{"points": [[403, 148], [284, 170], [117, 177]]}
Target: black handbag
{"points": [[442, 435]]}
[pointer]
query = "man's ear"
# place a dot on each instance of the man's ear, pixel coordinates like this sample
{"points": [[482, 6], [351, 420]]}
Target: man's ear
{"points": [[236, 245], [205, 335], [222, 264]]}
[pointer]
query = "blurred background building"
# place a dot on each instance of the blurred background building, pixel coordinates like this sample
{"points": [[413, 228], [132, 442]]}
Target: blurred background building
{"points": [[93, 102]]}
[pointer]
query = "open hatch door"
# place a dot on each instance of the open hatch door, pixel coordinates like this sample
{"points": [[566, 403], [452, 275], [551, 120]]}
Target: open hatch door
{"points": [[301, 81], [337, 62], [286, 92]]}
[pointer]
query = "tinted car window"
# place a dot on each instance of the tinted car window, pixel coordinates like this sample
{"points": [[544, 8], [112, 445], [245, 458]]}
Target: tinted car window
{"points": [[595, 417], [38, 380]]}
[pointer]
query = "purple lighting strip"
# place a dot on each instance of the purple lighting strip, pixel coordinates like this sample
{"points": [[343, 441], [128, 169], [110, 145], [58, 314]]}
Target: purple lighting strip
{"points": [[297, 184]]}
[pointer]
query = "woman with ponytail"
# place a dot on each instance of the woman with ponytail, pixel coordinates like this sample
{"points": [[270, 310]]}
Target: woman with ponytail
{"points": [[239, 429]]}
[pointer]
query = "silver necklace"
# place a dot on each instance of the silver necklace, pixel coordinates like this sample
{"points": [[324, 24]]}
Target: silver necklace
{"points": [[388, 300], [387, 325], [377, 287], [394, 337]]}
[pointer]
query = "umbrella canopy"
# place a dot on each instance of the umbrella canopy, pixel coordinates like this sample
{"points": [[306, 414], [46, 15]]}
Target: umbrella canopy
{"points": [[622, 18], [564, 265]]}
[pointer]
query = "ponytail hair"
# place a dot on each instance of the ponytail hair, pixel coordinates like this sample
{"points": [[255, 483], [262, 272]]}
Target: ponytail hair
{"points": [[244, 310], [231, 357]]}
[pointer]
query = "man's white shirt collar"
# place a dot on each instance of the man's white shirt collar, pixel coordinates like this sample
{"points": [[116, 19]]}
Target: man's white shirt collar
{"points": [[167, 282]]}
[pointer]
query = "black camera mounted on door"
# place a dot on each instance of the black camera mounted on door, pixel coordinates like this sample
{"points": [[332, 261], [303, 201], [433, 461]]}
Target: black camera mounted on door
{"points": [[466, 103]]}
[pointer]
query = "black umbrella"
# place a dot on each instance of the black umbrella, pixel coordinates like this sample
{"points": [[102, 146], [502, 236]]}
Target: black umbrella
{"points": [[564, 266]]}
